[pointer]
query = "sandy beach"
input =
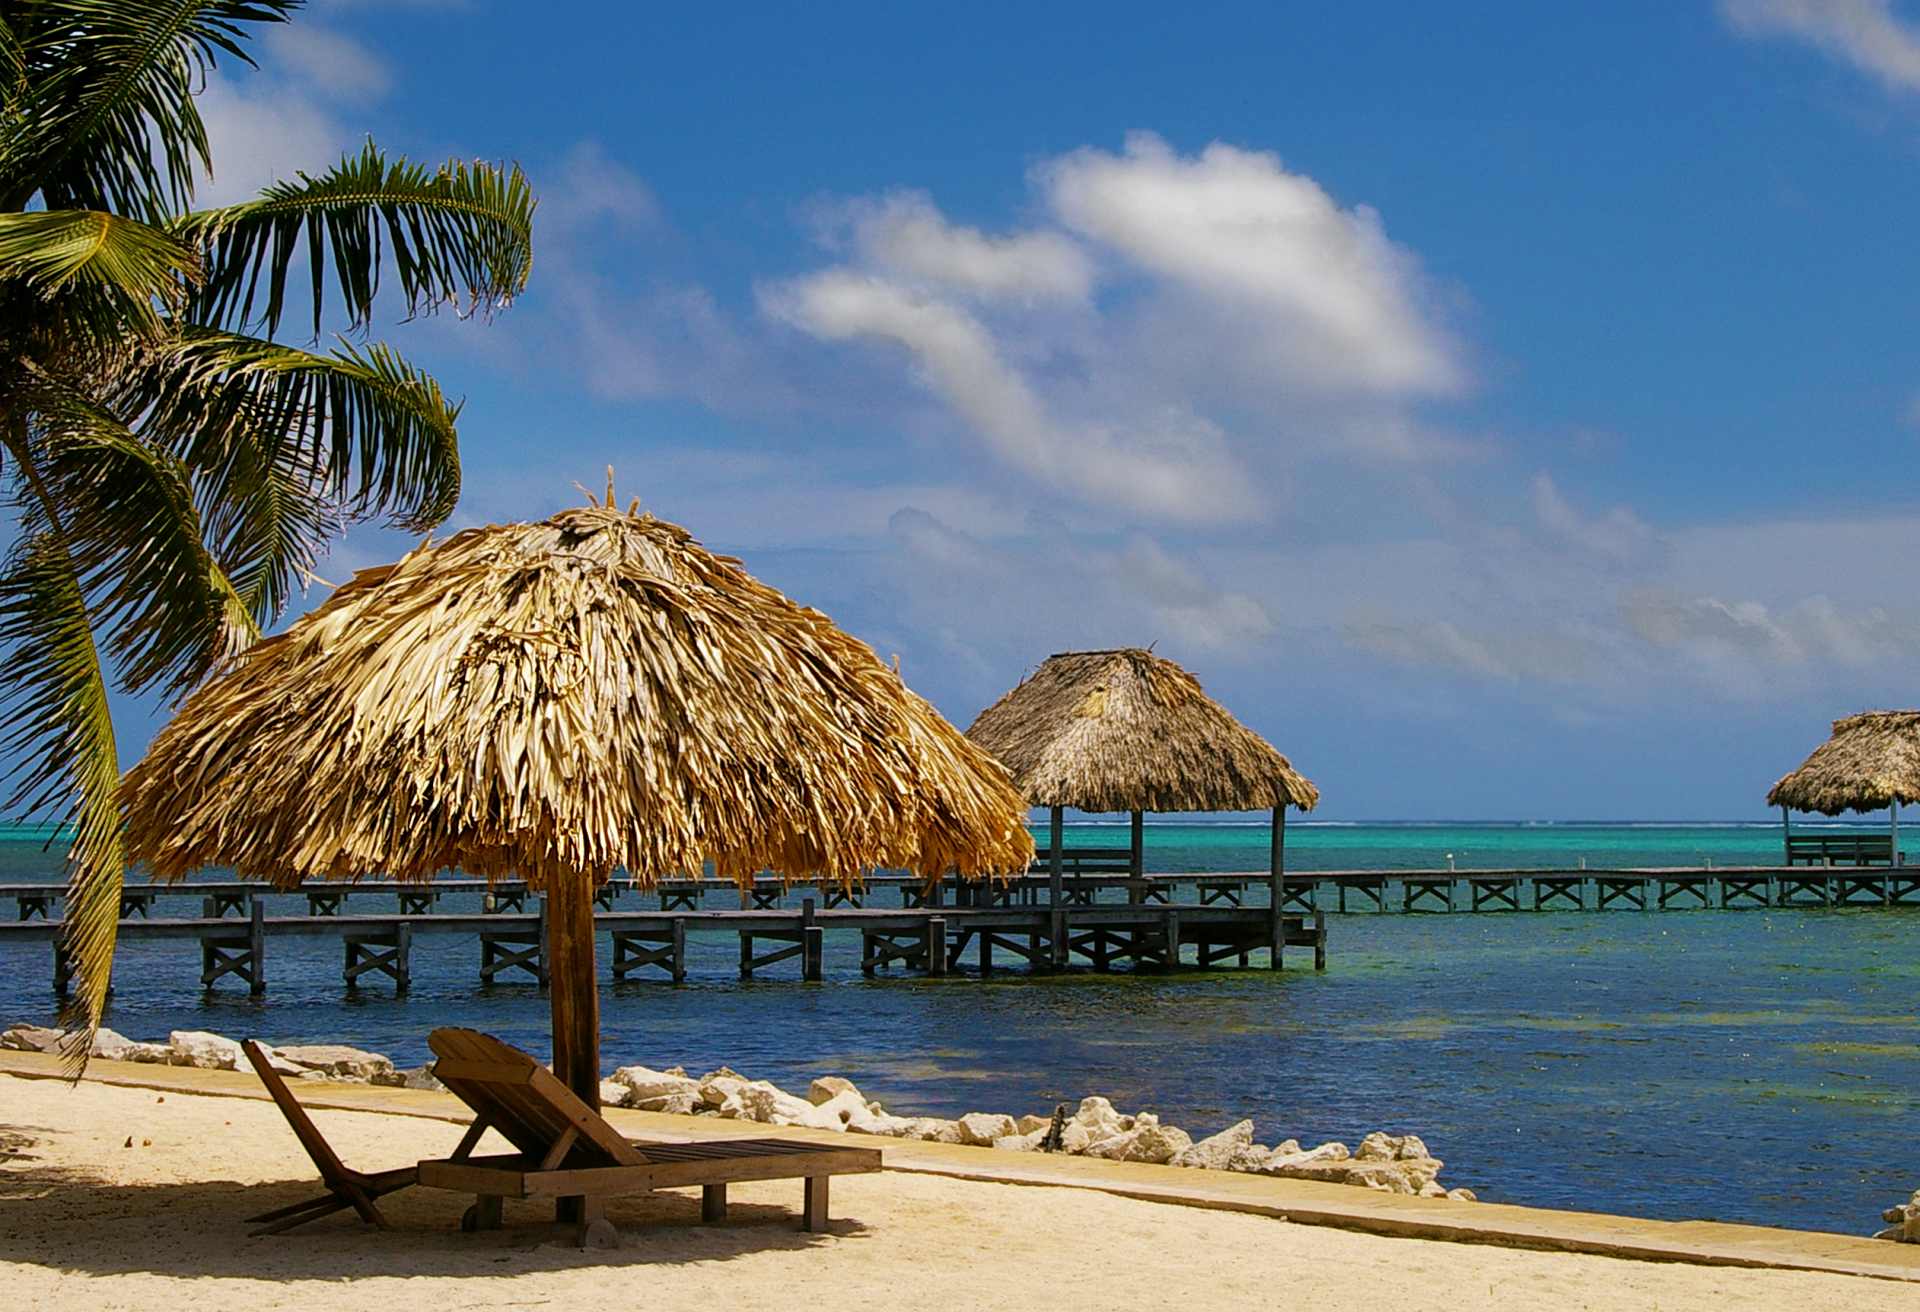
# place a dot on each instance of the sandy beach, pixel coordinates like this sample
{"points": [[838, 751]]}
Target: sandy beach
{"points": [[86, 1220]]}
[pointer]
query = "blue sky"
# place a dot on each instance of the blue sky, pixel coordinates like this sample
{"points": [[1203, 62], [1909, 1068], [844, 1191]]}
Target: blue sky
{"points": [[1509, 409]]}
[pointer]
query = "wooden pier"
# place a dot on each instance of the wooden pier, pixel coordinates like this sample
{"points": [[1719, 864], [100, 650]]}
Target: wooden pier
{"points": [[936, 931]]}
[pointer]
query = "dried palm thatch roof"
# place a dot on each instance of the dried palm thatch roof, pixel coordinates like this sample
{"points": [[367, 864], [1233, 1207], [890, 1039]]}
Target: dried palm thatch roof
{"points": [[1871, 762], [1130, 731], [591, 692]]}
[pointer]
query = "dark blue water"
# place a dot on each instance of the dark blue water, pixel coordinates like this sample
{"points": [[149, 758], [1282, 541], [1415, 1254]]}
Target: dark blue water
{"points": [[1756, 1066]]}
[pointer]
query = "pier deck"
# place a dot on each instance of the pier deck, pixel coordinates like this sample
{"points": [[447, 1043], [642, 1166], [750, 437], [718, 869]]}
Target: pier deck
{"points": [[935, 940]]}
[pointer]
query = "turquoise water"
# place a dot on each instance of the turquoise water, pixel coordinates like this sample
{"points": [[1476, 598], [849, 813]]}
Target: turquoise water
{"points": [[1757, 1066]]}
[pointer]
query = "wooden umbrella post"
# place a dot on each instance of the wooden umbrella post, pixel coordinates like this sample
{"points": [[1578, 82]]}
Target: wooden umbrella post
{"points": [[574, 990], [1055, 874], [1276, 886]]}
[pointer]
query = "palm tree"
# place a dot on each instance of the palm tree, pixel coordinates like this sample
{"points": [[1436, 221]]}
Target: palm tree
{"points": [[174, 469]]}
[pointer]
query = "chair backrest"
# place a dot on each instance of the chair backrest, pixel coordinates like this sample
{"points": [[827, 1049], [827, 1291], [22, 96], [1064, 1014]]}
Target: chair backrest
{"points": [[523, 1100], [331, 1168]]}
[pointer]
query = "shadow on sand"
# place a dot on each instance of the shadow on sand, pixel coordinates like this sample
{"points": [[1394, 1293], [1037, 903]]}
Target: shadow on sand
{"points": [[79, 1222]]}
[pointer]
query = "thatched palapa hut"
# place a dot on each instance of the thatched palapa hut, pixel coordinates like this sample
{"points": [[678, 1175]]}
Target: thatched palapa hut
{"points": [[1871, 763], [1126, 730], [554, 701]]}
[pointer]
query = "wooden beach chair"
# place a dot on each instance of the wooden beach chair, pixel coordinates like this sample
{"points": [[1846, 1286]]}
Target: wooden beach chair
{"points": [[345, 1187], [569, 1151]]}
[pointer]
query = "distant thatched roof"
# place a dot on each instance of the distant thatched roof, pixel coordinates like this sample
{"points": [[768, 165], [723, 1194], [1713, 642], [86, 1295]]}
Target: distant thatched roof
{"points": [[592, 692], [1127, 730], [1871, 762]]}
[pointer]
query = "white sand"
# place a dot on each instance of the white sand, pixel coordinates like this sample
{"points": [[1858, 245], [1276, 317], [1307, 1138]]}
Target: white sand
{"points": [[88, 1223]]}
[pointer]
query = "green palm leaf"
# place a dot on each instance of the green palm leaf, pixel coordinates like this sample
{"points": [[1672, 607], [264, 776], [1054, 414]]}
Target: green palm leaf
{"points": [[121, 271], [53, 697], [459, 235], [283, 442], [103, 114], [126, 515]]}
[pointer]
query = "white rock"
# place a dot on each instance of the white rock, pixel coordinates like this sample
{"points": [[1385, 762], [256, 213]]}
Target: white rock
{"points": [[1463, 1195], [719, 1086], [1028, 1124], [613, 1093], [881, 1123], [110, 1045], [206, 1051], [1021, 1143], [1412, 1145], [1075, 1137], [828, 1087], [1156, 1143], [157, 1054], [770, 1105], [336, 1060], [932, 1129], [31, 1038], [840, 1111], [981, 1128], [646, 1086], [1377, 1147], [1099, 1113], [416, 1077], [672, 1104], [1218, 1152]]}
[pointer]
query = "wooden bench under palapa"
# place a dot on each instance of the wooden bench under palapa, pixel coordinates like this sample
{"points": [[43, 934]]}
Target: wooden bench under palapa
{"points": [[1839, 849], [568, 1151]]}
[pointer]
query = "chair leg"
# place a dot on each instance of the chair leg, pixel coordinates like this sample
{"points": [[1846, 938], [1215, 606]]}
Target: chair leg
{"points": [[361, 1203], [816, 1204], [713, 1203], [595, 1230], [483, 1215], [291, 1208], [313, 1212]]}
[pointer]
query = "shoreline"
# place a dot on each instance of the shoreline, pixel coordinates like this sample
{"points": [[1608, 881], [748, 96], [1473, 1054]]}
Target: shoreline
{"points": [[1095, 1129], [942, 1226]]}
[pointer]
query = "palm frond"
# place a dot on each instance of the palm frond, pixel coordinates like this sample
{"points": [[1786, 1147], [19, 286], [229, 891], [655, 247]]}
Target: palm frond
{"points": [[460, 235], [115, 274], [59, 736], [136, 543], [282, 443], [105, 105]]}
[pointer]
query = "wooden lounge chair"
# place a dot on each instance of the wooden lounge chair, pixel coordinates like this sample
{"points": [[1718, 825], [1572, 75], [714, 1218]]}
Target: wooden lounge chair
{"points": [[345, 1187], [568, 1151]]}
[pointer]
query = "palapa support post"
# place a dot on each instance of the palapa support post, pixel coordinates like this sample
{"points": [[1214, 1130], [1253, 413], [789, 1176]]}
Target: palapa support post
{"points": [[812, 942], [1136, 858], [1276, 885], [1893, 832], [936, 945], [573, 988], [1786, 835], [1056, 877]]}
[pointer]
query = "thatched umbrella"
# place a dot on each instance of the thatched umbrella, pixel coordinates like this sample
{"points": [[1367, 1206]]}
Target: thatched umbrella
{"points": [[553, 701], [1871, 762], [1127, 730]]}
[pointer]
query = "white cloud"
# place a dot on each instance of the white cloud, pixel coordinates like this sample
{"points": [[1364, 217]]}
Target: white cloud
{"points": [[904, 234], [1172, 464], [1618, 536], [1864, 33], [1326, 297], [326, 62], [1181, 330], [1084, 593]]}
